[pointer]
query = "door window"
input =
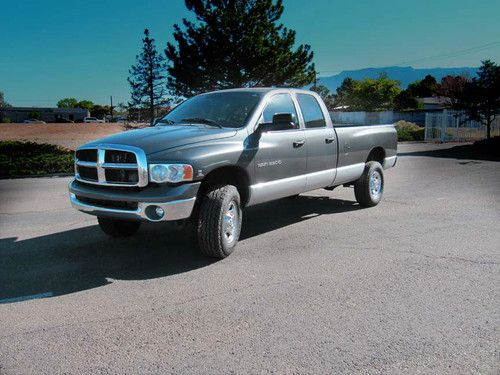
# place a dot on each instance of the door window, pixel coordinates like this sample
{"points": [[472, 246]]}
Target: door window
{"points": [[280, 103], [311, 110]]}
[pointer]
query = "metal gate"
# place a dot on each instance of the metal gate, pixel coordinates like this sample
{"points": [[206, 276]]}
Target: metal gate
{"points": [[453, 126]]}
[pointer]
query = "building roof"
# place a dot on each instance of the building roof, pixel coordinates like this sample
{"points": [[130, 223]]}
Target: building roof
{"points": [[435, 100]]}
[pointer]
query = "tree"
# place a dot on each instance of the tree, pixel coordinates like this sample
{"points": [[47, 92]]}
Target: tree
{"points": [[406, 100], [423, 88], [236, 43], [3, 103], [147, 78], [326, 95], [344, 91], [452, 89], [85, 104], [121, 108], [481, 96], [99, 111], [67, 103], [368, 94]]}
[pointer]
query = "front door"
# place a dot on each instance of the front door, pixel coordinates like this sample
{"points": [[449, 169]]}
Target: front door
{"points": [[281, 155]]}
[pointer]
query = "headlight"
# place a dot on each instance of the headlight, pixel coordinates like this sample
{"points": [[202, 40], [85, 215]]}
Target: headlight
{"points": [[170, 173]]}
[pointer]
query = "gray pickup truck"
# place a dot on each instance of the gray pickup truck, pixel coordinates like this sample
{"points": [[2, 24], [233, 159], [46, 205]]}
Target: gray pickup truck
{"points": [[219, 152]]}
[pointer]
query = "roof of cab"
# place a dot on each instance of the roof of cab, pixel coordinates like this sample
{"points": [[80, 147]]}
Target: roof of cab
{"points": [[261, 90]]}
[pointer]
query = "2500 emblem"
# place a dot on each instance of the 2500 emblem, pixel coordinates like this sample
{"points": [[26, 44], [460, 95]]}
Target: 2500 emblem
{"points": [[269, 163]]}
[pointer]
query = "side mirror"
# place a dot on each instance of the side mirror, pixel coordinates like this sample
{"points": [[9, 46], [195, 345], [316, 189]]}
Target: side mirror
{"points": [[281, 121]]}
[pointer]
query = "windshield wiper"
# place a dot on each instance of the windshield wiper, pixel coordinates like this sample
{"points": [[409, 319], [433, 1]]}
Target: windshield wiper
{"points": [[201, 120], [164, 121]]}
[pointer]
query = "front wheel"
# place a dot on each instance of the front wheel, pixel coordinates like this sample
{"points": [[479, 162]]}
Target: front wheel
{"points": [[118, 228], [368, 189], [219, 221]]}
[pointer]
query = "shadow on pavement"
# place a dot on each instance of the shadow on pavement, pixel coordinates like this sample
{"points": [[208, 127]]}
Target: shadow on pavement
{"points": [[85, 258], [468, 152]]}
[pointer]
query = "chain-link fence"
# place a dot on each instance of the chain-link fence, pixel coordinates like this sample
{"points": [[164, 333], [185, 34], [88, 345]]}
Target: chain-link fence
{"points": [[454, 126]]}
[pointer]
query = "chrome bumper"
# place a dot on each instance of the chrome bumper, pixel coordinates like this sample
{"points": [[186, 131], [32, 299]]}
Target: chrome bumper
{"points": [[390, 161], [174, 210]]}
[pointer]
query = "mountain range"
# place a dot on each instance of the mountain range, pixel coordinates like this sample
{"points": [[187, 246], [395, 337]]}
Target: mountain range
{"points": [[405, 75]]}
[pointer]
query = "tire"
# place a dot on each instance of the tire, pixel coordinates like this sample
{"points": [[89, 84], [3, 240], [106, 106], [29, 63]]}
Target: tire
{"points": [[118, 228], [369, 188], [219, 221]]}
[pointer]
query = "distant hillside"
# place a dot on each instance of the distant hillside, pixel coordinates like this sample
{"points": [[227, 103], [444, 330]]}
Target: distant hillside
{"points": [[405, 75]]}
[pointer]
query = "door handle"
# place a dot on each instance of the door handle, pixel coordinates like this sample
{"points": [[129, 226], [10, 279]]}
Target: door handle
{"points": [[298, 143], [329, 140]]}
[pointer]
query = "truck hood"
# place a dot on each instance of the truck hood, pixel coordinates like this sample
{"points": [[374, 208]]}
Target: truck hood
{"points": [[160, 138]]}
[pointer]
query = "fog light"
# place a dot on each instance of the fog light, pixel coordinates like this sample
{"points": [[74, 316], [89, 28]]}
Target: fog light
{"points": [[159, 212], [155, 213]]}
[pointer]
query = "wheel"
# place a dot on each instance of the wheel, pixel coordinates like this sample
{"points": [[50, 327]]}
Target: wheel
{"points": [[368, 189], [118, 228], [219, 221]]}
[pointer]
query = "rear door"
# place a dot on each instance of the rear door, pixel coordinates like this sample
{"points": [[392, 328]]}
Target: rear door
{"points": [[321, 142], [280, 156]]}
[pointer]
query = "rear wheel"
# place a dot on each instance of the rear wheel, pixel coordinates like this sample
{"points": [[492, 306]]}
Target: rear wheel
{"points": [[369, 188], [118, 228], [219, 221]]}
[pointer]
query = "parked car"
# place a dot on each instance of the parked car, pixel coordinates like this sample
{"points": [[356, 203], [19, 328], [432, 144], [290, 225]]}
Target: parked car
{"points": [[219, 152], [63, 120], [34, 121], [93, 120], [120, 119]]}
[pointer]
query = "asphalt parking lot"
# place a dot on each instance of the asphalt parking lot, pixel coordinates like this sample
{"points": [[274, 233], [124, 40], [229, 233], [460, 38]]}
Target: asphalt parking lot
{"points": [[316, 285]]}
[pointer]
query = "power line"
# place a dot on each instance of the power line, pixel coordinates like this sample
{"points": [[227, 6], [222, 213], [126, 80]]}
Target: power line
{"points": [[450, 54], [453, 53]]}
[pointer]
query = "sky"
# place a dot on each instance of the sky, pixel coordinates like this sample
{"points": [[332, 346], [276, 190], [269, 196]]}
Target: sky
{"points": [[53, 49]]}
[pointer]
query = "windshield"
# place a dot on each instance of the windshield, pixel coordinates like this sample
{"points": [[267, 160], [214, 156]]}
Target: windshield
{"points": [[221, 109]]}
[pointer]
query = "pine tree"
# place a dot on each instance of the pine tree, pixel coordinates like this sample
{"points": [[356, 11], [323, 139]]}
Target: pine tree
{"points": [[147, 78], [235, 43], [481, 96]]}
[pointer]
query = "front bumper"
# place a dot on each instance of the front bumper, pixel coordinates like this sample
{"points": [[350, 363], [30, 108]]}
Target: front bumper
{"points": [[177, 202]]}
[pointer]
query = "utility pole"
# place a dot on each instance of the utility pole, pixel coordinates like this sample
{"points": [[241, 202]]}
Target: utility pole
{"points": [[111, 106]]}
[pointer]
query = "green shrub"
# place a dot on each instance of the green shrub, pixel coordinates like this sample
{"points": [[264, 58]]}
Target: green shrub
{"points": [[408, 131], [5, 120], [33, 159]]}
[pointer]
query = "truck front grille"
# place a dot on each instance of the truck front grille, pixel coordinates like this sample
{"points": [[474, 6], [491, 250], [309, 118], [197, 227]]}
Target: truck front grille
{"points": [[111, 165], [121, 175], [87, 155], [87, 173], [114, 156]]}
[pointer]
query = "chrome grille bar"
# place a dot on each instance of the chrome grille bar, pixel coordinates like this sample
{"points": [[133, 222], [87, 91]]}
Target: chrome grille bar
{"points": [[88, 164], [101, 173], [101, 166], [118, 166]]}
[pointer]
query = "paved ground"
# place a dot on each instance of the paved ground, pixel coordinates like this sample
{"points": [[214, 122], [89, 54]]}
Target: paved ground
{"points": [[317, 285]]}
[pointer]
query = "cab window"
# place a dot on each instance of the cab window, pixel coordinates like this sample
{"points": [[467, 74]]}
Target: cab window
{"points": [[311, 110], [279, 103]]}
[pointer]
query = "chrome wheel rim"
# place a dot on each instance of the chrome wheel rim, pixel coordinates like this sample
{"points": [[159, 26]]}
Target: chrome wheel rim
{"points": [[231, 222], [375, 185]]}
